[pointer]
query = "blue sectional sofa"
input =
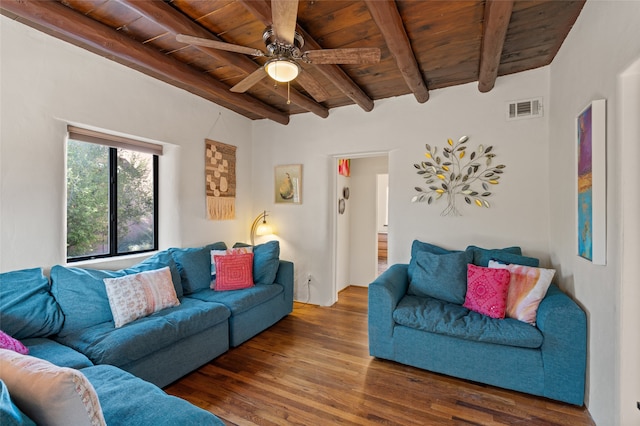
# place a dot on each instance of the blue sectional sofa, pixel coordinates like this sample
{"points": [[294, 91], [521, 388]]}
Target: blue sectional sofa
{"points": [[546, 359], [67, 321]]}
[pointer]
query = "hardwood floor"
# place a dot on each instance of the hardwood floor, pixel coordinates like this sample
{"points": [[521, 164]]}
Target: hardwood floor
{"points": [[314, 368]]}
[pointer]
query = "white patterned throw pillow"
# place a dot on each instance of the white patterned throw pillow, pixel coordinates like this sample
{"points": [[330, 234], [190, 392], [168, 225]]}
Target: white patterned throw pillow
{"points": [[48, 394], [139, 295]]}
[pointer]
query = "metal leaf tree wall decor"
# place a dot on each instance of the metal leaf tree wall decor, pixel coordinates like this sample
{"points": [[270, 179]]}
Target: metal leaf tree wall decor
{"points": [[456, 173]]}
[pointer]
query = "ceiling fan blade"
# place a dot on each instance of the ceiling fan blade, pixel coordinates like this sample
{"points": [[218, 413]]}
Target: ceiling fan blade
{"points": [[283, 19], [366, 55], [199, 41], [249, 81], [312, 87]]}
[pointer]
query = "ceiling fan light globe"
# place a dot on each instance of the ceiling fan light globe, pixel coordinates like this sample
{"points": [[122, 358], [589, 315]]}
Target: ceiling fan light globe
{"points": [[282, 70]]}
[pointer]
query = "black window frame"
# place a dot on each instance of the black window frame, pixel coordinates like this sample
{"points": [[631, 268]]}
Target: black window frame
{"points": [[114, 143]]}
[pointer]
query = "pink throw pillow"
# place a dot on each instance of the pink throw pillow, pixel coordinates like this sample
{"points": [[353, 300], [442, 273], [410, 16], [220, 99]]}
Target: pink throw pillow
{"points": [[214, 253], [487, 290], [8, 342], [234, 271]]}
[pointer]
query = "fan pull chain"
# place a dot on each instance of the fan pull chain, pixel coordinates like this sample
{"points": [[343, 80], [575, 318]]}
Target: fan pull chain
{"points": [[288, 93]]}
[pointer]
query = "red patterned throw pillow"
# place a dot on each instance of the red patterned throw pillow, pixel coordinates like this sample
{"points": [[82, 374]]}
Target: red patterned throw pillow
{"points": [[487, 291], [234, 271]]}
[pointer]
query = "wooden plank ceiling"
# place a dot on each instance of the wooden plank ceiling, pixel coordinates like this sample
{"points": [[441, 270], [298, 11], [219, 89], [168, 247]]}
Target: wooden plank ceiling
{"points": [[424, 44]]}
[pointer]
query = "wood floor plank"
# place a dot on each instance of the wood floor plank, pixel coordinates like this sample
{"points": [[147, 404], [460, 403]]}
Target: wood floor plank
{"points": [[314, 368]]}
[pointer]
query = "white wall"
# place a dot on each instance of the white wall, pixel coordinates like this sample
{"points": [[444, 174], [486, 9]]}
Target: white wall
{"points": [[46, 83], [604, 41], [629, 370], [401, 126]]}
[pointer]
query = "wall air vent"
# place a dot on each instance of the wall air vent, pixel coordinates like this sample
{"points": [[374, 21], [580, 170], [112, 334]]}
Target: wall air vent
{"points": [[529, 108]]}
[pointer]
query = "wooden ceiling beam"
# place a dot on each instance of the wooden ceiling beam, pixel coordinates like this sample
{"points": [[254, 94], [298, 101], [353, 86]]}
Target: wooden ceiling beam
{"points": [[386, 15], [62, 21], [497, 14], [262, 10], [176, 23]]}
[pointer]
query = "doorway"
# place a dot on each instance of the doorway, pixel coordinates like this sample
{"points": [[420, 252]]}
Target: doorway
{"points": [[382, 221], [356, 217]]}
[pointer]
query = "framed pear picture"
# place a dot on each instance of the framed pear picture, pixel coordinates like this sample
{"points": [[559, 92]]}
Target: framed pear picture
{"points": [[288, 184]]}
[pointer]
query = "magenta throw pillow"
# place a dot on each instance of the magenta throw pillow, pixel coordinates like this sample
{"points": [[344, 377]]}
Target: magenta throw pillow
{"points": [[234, 271], [487, 291], [8, 342]]}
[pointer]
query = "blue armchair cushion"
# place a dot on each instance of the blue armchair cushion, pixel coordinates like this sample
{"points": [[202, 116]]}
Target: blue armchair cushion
{"points": [[421, 246], [443, 276], [27, 308], [482, 256], [266, 259], [194, 265], [436, 316]]}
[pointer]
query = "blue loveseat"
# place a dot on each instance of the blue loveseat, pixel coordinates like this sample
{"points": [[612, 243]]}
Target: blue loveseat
{"points": [[546, 359], [68, 322]]}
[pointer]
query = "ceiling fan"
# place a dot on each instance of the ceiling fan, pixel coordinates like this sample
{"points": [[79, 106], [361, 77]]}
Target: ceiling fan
{"points": [[284, 51]]}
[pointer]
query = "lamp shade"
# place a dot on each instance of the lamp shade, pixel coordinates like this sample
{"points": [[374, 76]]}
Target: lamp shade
{"points": [[264, 229], [260, 227], [282, 70]]}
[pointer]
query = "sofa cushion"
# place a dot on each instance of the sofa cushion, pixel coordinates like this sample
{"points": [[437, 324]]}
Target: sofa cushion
{"points": [[487, 290], [27, 308], [437, 316], [266, 260], [56, 353], [158, 261], [138, 295], [234, 271], [240, 300], [128, 400], [443, 276], [10, 414], [482, 256], [48, 394], [194, 265], [421, 246], [82, 295], [104, 344], [527, 288], [8, 342]]}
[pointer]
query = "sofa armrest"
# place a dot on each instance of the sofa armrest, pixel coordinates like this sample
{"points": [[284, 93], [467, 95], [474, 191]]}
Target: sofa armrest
{"points": [[564, 349], [384, 294], [284, 276]]}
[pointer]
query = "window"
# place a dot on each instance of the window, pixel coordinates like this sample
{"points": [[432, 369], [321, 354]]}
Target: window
{"points": [[112, 195]]}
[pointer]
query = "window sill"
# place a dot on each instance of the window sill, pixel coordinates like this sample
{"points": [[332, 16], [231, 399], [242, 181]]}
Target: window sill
{"points": [[115, 261]]}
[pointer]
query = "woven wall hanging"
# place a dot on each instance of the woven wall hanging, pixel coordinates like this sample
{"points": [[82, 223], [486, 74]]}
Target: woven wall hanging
{"points": [[220, 175]]}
